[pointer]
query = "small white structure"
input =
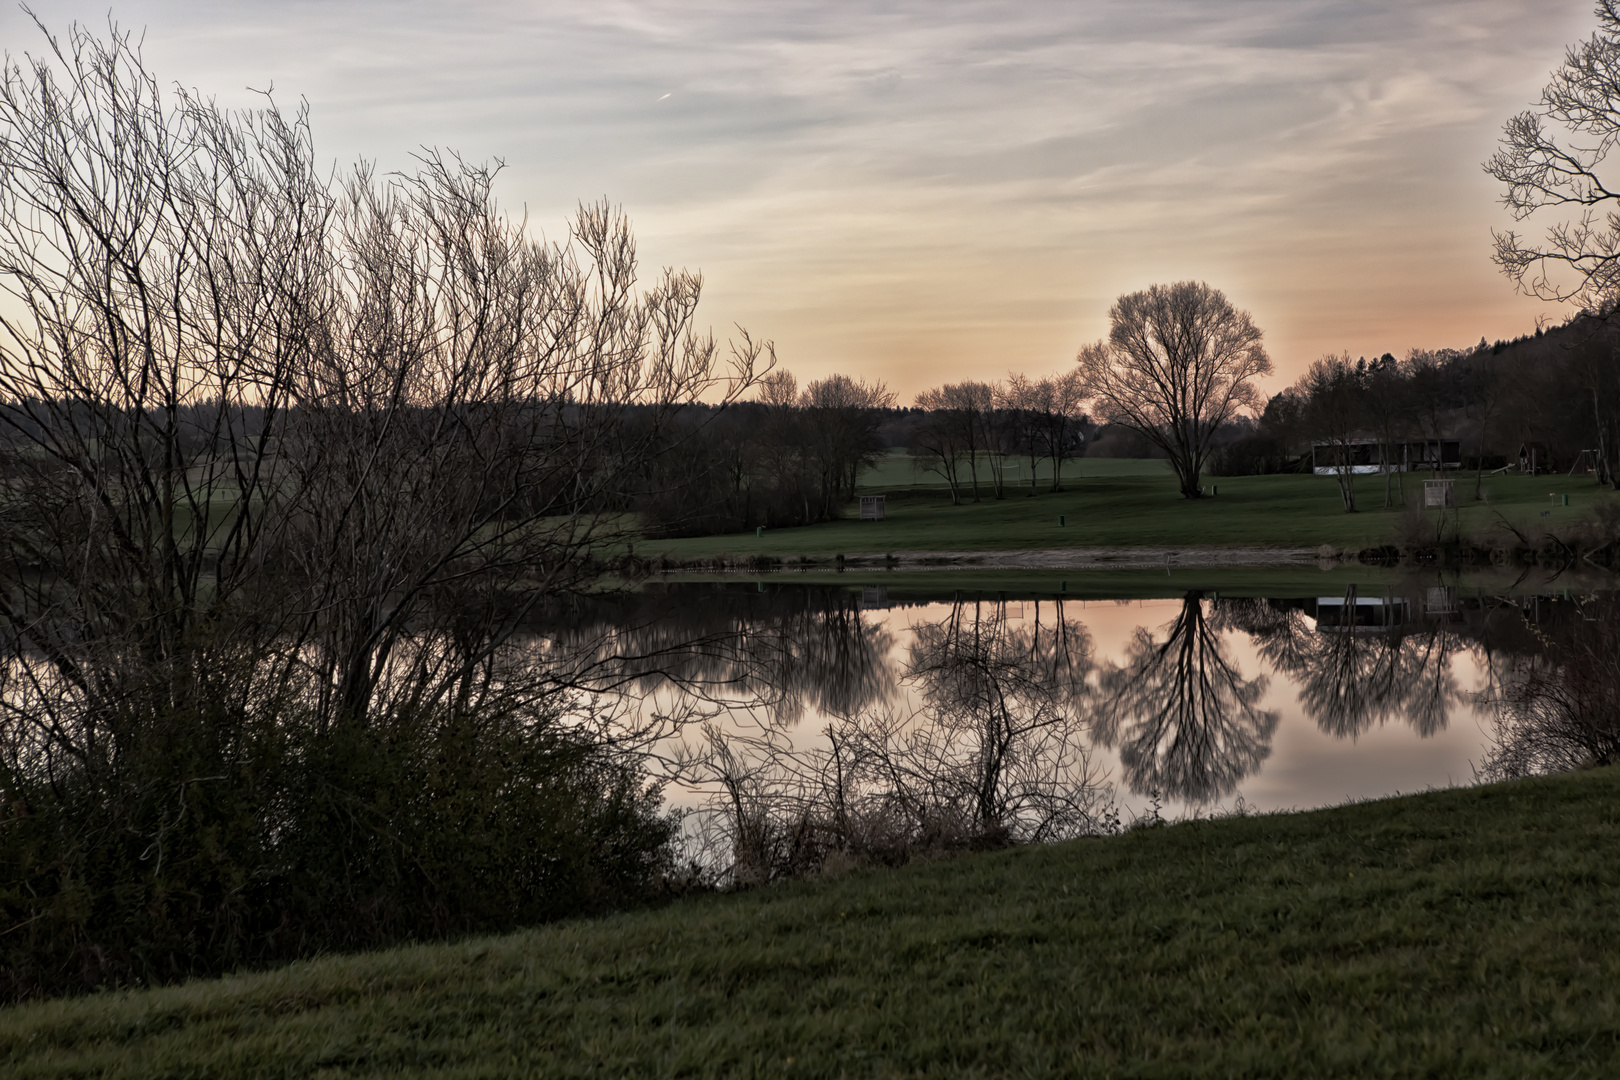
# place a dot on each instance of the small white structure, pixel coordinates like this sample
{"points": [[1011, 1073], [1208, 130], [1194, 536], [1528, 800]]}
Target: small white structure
{"points": [[1364, 455], [1352, 614], [1439, 493], [871, 507]]}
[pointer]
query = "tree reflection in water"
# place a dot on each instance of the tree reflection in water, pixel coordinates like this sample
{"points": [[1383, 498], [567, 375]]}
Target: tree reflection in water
{"points": [[1184, 719], [969, 655], [998, 734], [993, 751], [785, 649], [1354, 670], [1556, 703]]}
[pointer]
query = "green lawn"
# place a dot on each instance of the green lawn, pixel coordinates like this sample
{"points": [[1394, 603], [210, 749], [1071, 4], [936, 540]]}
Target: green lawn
{"points": [[1469, 933], [1146, 510], [897, 469]]}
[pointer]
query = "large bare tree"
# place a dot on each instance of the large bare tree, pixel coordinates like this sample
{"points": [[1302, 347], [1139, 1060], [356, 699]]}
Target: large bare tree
{"points": [[286, 463], [1553, 158], [1179, 361], [1554, 163]]}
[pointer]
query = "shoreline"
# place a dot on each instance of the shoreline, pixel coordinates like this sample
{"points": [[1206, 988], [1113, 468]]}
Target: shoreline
{"points": [[1078, 558]]}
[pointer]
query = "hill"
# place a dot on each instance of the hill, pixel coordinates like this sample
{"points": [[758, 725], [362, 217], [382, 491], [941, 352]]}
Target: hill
{"points": [[1460, 933]]}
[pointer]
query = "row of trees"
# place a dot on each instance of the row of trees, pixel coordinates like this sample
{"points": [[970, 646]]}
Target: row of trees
{"points": [[792, 457], [971, 424], [1556, 392], [1177, 368]]}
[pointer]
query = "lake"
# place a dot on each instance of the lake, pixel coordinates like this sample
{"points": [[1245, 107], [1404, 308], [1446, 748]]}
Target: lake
{"points": [[1198, 693]]}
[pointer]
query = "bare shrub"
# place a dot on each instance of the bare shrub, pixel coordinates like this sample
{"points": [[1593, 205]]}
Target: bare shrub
{"points": [[1559, 711], [991, 755], [287, 463]]}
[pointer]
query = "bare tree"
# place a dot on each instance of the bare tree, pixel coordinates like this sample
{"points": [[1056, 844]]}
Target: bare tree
{"points": [[1552, 159], [1062, 398], [842, 415], [1389, 411], [993, 432], [1020, 400], [1552, 163], [287, 464], [1484, 389], [1333, 415], [1179, 362], [954, 430]]}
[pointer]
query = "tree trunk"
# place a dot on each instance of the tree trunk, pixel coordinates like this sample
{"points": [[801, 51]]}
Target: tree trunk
{"points": [[1603, 473], [1189, 481]]}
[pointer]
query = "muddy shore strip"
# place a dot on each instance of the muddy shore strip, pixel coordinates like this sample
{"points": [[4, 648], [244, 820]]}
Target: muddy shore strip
{"points": [[1077, 558]]}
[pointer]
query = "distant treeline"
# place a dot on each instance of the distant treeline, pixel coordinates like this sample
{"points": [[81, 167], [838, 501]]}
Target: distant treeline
{"points": [[1554, 395]]}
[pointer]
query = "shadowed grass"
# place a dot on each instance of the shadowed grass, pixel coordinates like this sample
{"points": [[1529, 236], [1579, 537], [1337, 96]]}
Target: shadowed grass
{"points": [[1458, 933]]}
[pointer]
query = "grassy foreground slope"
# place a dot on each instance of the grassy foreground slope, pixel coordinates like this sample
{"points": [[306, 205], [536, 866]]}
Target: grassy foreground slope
{"points": [[1460, 933], [1146, 510]]}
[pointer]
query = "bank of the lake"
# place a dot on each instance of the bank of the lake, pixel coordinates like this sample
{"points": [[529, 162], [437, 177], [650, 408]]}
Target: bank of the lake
{"points": [[1470, 932], [1288, 515]]}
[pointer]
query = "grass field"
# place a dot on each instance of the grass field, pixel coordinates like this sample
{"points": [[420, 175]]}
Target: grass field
{"points": [[897, 470], [1470, 933], [1146, 510]]}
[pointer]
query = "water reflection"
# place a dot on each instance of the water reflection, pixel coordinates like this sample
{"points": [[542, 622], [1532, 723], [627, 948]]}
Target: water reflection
{"points": [[1189, 705], [987, 746], [995, 743], [786, 649], [1556, 698], [1184, 718], [1362, 661], [978, 645]]}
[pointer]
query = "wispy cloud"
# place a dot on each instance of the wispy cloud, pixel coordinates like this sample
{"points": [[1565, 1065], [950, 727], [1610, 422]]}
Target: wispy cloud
{"points": [[919, 189]]}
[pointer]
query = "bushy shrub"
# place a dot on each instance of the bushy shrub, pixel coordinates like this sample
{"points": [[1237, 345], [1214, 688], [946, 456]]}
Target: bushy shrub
{"points": [[211, 842]]}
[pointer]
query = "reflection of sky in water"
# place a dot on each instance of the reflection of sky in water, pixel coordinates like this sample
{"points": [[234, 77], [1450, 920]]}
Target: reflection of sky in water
{"points": [[1306, 767], [1309, 767]]}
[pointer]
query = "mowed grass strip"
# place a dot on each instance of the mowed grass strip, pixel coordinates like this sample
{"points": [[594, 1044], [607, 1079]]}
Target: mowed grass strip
{"points": [[1460, 933], [1288, 511]]}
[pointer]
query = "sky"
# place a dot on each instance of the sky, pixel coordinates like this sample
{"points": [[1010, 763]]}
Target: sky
{"points": [[921, 192]]}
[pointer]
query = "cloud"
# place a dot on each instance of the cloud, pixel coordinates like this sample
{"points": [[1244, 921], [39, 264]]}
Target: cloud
{"points": [[927, 189]]}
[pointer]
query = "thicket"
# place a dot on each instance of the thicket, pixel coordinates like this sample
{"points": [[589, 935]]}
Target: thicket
{"points": [[289, 463], [791, 458]]}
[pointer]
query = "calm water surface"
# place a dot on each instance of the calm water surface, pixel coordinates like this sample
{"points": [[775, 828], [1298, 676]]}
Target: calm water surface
{"points": [[1197, 702]]}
